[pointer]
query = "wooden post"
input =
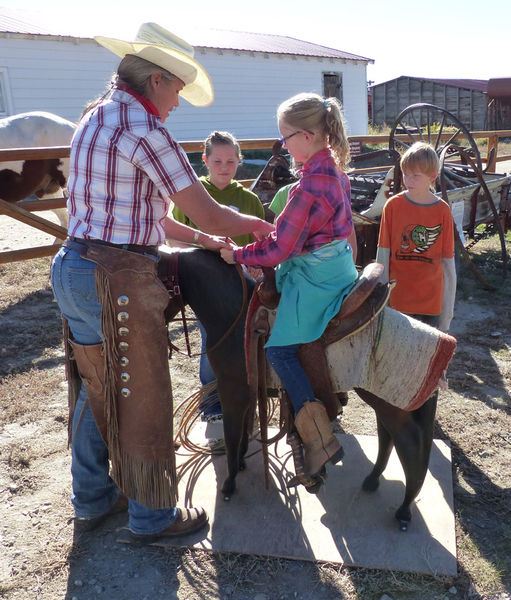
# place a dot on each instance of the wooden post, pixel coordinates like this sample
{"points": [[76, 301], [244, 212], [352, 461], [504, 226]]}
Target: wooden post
{"points": [[491, 156]]}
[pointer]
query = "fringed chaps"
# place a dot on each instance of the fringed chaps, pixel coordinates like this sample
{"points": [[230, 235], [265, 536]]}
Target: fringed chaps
{"points": [[138, 396]]}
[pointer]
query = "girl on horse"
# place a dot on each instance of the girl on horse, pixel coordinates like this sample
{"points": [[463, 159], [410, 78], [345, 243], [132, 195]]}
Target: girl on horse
{"points": [[314, 259]]}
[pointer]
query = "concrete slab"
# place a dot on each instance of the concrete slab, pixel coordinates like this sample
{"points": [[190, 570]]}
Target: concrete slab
{"points": [[342, 524]]}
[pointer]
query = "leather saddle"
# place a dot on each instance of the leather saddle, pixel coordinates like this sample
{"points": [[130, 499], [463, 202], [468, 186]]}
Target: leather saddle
{"points": [[364, 302]]}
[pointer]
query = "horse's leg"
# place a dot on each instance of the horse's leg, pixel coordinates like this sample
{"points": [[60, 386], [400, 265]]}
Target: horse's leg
{"points": [[389, 419], [413, 446], [61, 214], [412, 435], [234, 397], [385, 445], [213, 290], [235, 436]]}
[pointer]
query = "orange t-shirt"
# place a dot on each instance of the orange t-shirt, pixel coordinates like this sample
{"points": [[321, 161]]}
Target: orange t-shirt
{"points": [[418, 236]]}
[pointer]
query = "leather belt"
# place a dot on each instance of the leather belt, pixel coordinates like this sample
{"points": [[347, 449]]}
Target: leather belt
{"points": [[78, 243]]}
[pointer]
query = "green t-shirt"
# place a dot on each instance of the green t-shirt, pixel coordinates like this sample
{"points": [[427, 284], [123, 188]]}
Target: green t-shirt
{"points": [[234, 196], [280, 199]]}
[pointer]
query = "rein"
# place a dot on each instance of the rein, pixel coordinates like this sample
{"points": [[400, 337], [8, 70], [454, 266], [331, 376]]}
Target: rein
{"points": [[172, 285], [175, 292]]}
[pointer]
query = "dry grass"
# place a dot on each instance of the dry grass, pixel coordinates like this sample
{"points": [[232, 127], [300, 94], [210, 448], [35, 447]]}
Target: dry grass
{"points": [[22, 279], [22, 394]]}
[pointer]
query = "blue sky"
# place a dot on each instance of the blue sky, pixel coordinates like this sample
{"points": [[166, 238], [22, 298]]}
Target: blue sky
{"points": [[434, 38]]}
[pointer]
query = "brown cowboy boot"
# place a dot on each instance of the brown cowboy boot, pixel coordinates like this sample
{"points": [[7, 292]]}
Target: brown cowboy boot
{"points": [[319, 442]]}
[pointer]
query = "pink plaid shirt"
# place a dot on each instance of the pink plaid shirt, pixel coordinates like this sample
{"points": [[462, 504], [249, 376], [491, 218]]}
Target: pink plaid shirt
{"points": [[318, 212], [124, 168]]}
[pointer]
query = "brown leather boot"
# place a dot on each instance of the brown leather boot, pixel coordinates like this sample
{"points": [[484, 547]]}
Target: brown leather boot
{"points": [[188, 520], [319, 442]]}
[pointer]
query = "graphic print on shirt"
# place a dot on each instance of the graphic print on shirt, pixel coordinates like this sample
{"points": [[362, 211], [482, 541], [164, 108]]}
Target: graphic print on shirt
{"points": [[416, 240]]}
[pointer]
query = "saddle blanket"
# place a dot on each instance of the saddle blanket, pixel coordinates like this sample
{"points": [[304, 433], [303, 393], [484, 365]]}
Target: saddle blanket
{"points": [[395, 357]]}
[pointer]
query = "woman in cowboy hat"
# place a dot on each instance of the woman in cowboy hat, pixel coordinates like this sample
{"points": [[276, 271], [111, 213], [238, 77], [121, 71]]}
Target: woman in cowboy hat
{"points": [[126, 169]]}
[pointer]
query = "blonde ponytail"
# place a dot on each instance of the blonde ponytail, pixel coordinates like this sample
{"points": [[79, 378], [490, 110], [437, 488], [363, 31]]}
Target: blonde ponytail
{"points": [[336, 134]]}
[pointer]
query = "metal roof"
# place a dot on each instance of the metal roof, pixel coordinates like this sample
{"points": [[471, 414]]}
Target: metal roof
{"points": [[245, 41], [479, 85], [14, 21]]}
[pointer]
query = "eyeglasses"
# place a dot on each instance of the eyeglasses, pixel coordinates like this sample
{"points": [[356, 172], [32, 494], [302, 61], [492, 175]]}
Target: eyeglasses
{"points": [[284, 139]]}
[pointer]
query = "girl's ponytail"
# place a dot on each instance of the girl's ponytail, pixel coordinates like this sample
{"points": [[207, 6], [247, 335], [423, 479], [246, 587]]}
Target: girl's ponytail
{"points": [[336, 135]]}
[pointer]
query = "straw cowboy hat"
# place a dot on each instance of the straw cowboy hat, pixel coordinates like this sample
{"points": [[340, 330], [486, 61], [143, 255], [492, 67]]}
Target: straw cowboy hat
{"points": [[164, 49]]}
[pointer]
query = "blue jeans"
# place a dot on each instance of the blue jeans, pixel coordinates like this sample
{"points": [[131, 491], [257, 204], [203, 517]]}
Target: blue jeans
{"points": [[287, 366], [206, 375], [94, 491]]}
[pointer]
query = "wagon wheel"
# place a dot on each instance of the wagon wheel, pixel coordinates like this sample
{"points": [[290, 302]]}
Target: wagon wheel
{"points": [[482, 190], [429, 123]]}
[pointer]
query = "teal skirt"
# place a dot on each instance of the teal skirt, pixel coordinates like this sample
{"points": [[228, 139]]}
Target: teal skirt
{"points": [[312, 288]]}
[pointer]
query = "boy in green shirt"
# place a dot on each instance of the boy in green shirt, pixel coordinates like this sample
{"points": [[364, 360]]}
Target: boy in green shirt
{"points": [[221, 156]]}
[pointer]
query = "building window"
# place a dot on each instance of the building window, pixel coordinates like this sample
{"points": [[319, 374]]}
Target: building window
{"points": [[332, 85], [5, 93]]}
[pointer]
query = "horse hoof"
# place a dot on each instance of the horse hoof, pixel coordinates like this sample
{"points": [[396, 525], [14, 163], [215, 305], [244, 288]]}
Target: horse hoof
{"points": [[228, 489], [370, 484], [403, 525], [404, 517]]}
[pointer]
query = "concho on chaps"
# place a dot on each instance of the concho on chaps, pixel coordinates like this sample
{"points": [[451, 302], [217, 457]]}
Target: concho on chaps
{"points": [[138, 395]]}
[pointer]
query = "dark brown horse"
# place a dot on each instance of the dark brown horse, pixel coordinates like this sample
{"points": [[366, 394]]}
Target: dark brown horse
{"points": [[213, 290]]}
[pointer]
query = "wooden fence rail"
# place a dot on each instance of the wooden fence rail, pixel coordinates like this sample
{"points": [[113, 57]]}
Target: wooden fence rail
{"points": [[21, 211]]}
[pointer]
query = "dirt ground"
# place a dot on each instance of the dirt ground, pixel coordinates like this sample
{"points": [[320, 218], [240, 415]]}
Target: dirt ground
{"points": [[39, 558]]}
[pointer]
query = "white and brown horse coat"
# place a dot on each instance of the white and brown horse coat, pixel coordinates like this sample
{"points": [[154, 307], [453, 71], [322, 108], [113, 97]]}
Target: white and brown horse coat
{"points": [[43, 178]]}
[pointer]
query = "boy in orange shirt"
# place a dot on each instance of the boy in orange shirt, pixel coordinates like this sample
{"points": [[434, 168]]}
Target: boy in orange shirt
{"points": [[416, 243]]}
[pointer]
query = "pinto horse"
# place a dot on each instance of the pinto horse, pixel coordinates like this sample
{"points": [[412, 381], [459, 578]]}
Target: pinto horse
{"points": [[213, 289], [44, 178]]}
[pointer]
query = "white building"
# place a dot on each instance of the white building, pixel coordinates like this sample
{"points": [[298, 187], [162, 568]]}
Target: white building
{"points": [[251, 74]]}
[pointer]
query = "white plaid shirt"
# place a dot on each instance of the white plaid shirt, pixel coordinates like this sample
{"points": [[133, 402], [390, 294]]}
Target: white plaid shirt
{"points": [[124, 168]]}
